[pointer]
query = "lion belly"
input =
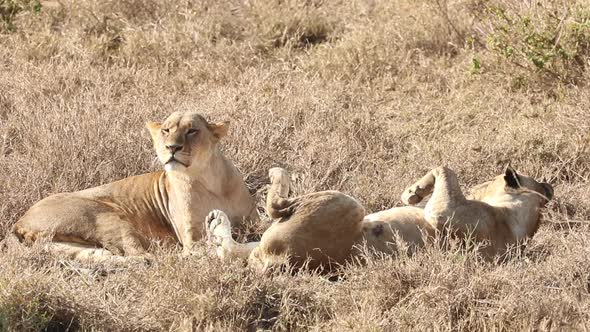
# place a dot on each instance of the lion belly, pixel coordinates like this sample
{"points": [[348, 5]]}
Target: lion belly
{"points": [[381, 230]]}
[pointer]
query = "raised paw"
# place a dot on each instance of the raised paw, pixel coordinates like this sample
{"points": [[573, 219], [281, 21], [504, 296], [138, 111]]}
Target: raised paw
{"points": [[413, 195], [218, 227], [278, 174]]}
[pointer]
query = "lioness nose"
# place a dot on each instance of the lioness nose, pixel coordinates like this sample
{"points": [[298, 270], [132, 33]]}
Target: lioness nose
{"points": [[174, 148]]}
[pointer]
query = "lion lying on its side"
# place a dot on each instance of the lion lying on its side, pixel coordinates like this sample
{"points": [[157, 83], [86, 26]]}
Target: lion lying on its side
{"points": [[322, 229], [123, 217]]}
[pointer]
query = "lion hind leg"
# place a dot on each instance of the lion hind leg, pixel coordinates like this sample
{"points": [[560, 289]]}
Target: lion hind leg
{"points": [[266, 263]]}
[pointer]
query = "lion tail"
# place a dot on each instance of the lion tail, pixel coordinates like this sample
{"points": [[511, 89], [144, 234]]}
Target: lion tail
{"points": [[282, 207]]}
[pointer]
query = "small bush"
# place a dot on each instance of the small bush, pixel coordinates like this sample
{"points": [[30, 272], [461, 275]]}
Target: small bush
{"points": [[10, 8], [551, 43]]}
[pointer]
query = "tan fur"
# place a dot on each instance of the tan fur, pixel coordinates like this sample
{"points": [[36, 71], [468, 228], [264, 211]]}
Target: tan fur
{"points": [[322, 228], [381, 230], [123, 217], [315, 230], [499, 214]]}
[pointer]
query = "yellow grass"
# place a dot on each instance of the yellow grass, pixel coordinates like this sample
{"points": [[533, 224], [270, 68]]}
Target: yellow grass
{"points": [[358, 96]]}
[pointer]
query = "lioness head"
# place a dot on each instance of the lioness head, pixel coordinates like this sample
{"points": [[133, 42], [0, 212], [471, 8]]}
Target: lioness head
{"points": [[511, 181], [185, 139]]}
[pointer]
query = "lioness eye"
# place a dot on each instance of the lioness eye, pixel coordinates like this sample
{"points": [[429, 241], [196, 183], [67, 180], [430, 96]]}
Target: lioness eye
{"points": [[165, 131], [192, 131]]}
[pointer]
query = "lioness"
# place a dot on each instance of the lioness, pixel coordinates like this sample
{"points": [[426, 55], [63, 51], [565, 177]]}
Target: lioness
{"points": [[323, 228], [122, 218]]}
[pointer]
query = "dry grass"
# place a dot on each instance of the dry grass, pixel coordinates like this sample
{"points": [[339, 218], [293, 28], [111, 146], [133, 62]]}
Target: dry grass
{"points": [[358, 96]]}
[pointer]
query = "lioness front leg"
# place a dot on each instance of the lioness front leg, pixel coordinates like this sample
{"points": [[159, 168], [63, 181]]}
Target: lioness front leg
{"points": [[92, 254], [219, 235], [415, 193], [443, 184]]}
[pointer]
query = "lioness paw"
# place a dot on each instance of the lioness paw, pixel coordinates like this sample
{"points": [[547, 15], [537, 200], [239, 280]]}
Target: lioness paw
{"points": [[218, 227], [278, 173], [410, 195]]}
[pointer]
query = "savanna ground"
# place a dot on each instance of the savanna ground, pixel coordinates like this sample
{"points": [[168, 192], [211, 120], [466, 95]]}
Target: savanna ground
{"points": [[360, 96]]}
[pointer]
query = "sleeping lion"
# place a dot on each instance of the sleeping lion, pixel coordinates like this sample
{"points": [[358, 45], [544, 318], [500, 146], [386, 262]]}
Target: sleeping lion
{"points": [[323, 229]]}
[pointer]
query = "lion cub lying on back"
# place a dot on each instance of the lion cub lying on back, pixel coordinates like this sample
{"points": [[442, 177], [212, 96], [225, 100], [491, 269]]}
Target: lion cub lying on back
{"points": [[119, 220], [322, 229]]}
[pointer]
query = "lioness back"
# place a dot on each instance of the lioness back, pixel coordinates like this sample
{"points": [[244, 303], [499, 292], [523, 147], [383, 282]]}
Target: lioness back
{"points": [[103, 216]]}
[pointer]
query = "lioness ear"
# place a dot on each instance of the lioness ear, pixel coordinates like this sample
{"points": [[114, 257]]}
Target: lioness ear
{"points": [[511, 177], [219, 129], [548, 190], [153, 127]]}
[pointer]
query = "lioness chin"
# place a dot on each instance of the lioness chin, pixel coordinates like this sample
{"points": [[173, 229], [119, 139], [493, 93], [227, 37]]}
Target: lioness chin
{"points": [[119, 220], [322, 230]]}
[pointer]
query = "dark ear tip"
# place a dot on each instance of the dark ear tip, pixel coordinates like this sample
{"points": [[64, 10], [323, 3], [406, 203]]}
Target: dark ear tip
{"points": [[510, 169], [511, 179], [548, 190]]}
